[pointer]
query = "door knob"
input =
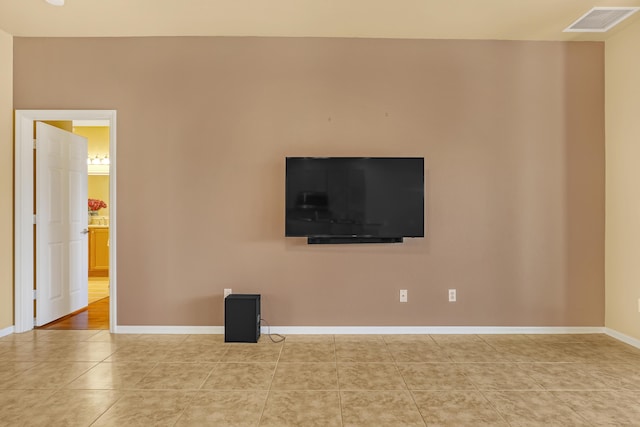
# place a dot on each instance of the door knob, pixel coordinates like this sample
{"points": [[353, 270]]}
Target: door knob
{"points": [[85, 231]]}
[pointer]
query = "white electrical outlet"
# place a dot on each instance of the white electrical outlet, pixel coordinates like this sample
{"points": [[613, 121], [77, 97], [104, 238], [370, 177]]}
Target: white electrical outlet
{"points": [[227, 292], [452, 295], [403, 295]]}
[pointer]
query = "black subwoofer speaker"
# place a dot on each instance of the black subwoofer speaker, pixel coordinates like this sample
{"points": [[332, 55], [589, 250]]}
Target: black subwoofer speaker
{"points": [[242, 318]]}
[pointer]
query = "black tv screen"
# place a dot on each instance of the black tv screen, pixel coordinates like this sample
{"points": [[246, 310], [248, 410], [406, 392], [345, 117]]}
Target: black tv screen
{"points": [[354, 199]]}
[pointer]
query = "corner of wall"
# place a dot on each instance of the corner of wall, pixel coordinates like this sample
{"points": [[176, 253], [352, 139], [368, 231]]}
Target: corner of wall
{"points": [[622, 230], [6, 180]]}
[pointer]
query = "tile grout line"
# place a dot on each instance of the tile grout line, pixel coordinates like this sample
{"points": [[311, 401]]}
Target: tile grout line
{"points": [[108, 408], [194, 394], [335, 360], [404, 381], [273, 375]]}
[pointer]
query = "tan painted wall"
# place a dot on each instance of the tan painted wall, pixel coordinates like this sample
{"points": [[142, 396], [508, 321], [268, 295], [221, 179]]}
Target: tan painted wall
{"points": [[623, 178], [6, 180], [512, 133]]}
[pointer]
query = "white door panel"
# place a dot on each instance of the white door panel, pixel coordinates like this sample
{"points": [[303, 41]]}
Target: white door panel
{"points": [[78, 224], [61, 209]]}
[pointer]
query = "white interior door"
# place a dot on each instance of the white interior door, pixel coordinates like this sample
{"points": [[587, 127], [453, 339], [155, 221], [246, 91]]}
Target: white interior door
{"points": [[62, 223]]}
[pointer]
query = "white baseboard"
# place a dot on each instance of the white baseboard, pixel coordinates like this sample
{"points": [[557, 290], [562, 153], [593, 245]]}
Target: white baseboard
{"points": [[119, 329], [622, 337], [6, 331], [397, 330], [363, 330]]}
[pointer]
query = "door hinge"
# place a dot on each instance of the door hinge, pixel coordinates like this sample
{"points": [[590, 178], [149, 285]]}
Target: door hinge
{"points": [[35, 294], [35, 321], [35, 143], [35, 218]]}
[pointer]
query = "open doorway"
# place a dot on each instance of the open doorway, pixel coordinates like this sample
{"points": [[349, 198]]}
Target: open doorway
{"points": [[95, 314], [26, 267]]}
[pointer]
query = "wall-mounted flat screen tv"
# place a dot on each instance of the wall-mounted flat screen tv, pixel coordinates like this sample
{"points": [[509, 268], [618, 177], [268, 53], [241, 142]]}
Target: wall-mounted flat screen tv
{"points": [[354, 199]]}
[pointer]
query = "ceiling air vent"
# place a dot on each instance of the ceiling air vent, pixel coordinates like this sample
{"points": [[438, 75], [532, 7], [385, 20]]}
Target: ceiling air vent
{"points": [[600, 19]]}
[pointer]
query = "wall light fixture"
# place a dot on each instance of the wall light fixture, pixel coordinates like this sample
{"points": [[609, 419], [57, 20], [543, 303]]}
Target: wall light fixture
{"points": [[98, 165]]}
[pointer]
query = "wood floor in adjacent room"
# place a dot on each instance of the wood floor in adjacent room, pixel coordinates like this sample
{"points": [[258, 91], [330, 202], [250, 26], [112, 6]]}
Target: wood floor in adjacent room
{"points": [[95, 316], [98, 288]]}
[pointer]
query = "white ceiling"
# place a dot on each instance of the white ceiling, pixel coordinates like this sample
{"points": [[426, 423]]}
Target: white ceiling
{"points": [[423, 19]]}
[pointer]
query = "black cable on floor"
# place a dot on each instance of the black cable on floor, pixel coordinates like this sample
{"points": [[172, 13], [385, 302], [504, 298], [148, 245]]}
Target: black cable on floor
{"points": [[269, 334]]}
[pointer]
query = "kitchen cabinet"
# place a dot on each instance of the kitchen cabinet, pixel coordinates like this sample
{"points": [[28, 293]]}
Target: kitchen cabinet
{"points": [[98, 251]]}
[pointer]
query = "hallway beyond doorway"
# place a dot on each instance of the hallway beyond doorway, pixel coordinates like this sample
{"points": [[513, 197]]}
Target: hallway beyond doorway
{"points": [[98, 288]]}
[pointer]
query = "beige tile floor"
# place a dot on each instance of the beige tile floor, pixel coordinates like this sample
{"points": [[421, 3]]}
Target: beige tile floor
{"points": [[93, 378]]}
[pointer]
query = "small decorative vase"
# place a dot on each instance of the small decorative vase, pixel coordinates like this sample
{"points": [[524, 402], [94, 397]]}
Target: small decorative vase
{"points": [[92, 216]]}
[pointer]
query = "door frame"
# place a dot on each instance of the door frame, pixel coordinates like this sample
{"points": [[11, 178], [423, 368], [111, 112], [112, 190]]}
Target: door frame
{"points": [[24, 268]]}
